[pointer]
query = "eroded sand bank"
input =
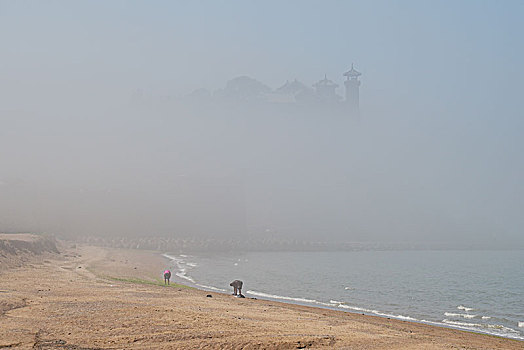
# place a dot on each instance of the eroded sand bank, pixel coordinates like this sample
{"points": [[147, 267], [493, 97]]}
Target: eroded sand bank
{"points": [[98, 298]]}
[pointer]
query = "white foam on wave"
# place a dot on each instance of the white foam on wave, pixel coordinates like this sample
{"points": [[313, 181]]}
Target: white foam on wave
{"points": [[497, 330], [169, 256], [280, 297], [355, 308], [211, 288], [184, 276], [402, 317], [461, 307], [451, 314], [376, 312], [465, 324], [494, 329], [399, 317]]}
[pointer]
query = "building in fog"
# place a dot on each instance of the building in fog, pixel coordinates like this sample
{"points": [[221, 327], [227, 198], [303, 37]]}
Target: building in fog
{"points": [[352, 85], [293, 95], [325, 90], [323, 95]]}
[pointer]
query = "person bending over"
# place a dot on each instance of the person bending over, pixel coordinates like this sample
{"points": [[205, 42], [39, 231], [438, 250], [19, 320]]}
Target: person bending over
{"points": [[167, 276], [237, 287]]}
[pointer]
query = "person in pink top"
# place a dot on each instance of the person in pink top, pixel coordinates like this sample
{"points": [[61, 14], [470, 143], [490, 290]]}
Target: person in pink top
{"points": [[167, 276]]}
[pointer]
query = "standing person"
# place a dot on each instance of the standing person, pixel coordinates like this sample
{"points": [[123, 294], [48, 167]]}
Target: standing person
{"points": [[167, 276], [237, 287]]}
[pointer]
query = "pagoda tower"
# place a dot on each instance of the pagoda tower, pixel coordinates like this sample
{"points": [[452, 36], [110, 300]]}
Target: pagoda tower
{"points": [[352, 90]]}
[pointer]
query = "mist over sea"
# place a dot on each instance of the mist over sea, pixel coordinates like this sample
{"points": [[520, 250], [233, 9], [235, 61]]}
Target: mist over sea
{"points": [[480, 291]]}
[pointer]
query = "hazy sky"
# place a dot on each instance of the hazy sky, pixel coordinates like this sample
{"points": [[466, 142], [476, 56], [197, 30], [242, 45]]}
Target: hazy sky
{"points": [[437, 155]]}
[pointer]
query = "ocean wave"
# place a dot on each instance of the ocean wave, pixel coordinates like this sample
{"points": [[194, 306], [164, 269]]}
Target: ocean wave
{"points": [[494, 329], [461, 307], [184, 276], [376, 312], [356, 308], [465, 324], [211, 288], [280, 297], [451, 314], [331, 303], [171, 257], [497, 330], [399, 317]]}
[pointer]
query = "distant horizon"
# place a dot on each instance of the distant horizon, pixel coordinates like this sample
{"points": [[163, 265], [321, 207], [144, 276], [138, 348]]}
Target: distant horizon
{"points": [[274, 244]]}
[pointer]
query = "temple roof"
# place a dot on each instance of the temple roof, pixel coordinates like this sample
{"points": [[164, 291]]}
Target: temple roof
{"points": [[325, 82], [292, 87], [352, 73]]}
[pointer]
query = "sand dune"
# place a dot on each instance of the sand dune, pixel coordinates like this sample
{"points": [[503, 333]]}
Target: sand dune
{"points": [[99, 298], [17, 250]]}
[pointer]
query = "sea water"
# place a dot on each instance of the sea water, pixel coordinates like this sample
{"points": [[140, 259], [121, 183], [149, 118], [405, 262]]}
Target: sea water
{"points": [[481, 291]]}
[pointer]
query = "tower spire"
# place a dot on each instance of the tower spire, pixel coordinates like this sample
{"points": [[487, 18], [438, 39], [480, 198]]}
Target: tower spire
{"points": [[352, 85]]}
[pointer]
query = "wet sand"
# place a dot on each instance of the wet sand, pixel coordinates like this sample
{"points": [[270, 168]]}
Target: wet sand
{"points": [[99, 298]]}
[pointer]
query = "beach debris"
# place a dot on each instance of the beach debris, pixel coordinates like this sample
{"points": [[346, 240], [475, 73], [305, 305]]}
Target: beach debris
{"points": [[209, 296]]}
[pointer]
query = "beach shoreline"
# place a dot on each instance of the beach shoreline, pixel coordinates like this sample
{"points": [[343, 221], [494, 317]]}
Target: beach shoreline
{"points": [[92, 297], [180, 262]]}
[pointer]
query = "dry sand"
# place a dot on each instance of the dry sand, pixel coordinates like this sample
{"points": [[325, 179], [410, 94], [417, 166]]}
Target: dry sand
{"points": [[72, 301]]}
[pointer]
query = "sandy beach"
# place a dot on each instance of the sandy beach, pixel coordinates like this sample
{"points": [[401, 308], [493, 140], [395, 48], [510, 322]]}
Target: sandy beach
{"points": [[99, 298]]}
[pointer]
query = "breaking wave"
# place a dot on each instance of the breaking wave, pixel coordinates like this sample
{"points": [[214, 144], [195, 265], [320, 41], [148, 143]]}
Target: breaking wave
{"points": [[451, 314], [467, 309], [279, 297]]}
